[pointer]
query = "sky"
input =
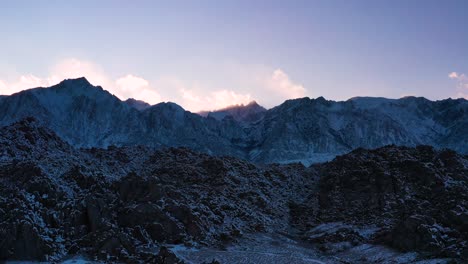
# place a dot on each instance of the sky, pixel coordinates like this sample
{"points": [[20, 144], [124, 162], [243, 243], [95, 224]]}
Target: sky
{"points": [[205, 55]]}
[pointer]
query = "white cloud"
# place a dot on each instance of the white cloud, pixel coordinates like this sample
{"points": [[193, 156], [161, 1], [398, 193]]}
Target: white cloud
{"points": [[28, 81], [280, 84], [74, 68], [131, 86], [131, 83], [210, 87], [69, 68], [195, 97], [453, 75], [212, 101], [128, 86], [462, 83], [23, 82], [226, 85], [3, 86], [457, 76], [225, 98], [218, 85]]}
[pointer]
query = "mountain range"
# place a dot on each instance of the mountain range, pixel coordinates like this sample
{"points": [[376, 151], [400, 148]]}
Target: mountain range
{"points": [[298, 130]]}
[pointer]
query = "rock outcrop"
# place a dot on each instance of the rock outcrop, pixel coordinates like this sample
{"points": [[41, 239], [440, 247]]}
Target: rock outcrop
{"points": [[413, 199], [127, 204], [175, 196]]}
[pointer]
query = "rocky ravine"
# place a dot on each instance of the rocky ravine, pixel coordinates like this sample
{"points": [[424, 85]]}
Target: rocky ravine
{"points": [[124, 204]]}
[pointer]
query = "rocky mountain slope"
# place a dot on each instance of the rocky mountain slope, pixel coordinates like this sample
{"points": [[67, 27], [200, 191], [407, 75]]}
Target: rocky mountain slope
{"points": [[133, 204], [320, 129], [408, 198], [88, 116], [123, 203], [305, 130]]}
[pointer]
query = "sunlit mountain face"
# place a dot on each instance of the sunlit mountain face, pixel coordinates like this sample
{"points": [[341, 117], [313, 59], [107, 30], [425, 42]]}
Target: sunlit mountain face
{"points": [[234, 132]]}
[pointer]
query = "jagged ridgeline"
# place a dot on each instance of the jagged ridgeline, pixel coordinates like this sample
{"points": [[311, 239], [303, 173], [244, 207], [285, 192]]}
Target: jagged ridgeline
{"points": [[132, 204], [305, 130]]}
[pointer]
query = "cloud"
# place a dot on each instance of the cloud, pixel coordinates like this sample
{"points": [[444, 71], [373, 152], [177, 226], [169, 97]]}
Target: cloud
{"points": [[211, 86], [74, 68], [212, 101], [128, 86], [236, 85], [131, 83], [453, 75], [457, 76], [280, 84], [462, 83], [23, 82], [69, 68], [131, 86], [3, 86], [225, 98]]}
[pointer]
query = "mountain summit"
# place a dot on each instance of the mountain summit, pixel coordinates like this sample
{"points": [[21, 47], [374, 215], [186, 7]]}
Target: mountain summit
{"points": [[137, 104]]}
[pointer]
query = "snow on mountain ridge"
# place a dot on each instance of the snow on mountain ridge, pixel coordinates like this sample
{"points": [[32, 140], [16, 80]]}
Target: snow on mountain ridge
{"points": [[298, 129]]}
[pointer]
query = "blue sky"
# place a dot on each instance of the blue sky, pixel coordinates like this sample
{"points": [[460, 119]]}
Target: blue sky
{"points": [[209, 54]]}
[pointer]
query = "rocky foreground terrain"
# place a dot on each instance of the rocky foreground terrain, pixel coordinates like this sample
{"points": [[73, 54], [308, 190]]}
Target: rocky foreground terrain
{"points": [[140, 205]]}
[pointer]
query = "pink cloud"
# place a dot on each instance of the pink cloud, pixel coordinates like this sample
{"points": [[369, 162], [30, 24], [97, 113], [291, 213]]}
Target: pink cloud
{"points": [[462, 84]]}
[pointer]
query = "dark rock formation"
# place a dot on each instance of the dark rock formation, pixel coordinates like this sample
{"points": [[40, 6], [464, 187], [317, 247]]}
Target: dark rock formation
{"points": [[416, 199], [90, 205], [125, 204]]}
